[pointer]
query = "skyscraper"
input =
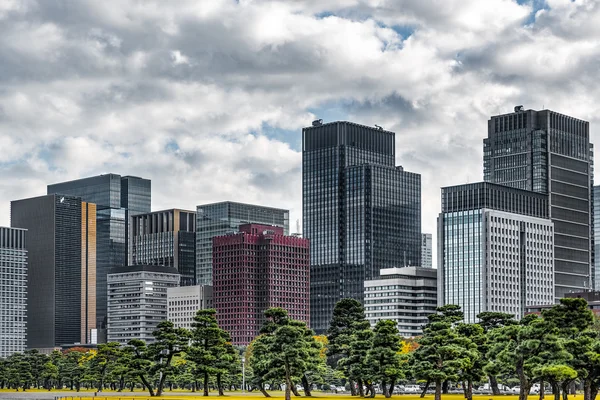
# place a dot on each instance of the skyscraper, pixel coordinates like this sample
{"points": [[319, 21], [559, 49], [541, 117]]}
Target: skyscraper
{"points": [[426, 250], [254, 270], [116, 198], [361, 212], [165, 238], [220, 218], [13, 290], [495, 249], [596, 237], [549, 153], [61, 251]]}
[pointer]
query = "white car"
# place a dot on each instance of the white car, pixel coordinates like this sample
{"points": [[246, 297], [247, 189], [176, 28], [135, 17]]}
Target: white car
{"points": [[412, 389]]}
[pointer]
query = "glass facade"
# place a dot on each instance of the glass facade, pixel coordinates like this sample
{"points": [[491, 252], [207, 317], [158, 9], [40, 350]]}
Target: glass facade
{"points": [[13, 291], [113, 195], [549, 153], [166, 238], [596, 236], [490, 257], [360, 212], [54, 224], [221, 218]]}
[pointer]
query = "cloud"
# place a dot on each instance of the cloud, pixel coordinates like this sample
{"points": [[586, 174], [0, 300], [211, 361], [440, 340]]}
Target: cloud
{"points": [[208, 99]]}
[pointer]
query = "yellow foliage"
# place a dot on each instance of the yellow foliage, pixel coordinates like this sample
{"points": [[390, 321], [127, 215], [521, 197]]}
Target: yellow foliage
{"points": [[323, 341]]}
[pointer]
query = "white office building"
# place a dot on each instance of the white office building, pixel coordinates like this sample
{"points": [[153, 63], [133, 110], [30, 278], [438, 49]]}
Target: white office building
{"points": [[490, 259], [426, 250], [183, 303], [137, 301], [405, 295], [13, 291]]}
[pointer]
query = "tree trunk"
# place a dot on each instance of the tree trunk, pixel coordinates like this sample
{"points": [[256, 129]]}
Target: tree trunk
{"points": [[206, 384], [352, 388], [361, 390], [438, 390], [148, 386], [385, 389], [426, 388], [261, 387], [220, 385], [294, 390], [445, 386], [593, 392], [542, 394], [469, 389], [306, 386], [587, 389], [288, 386], [494, 385], [565, 390], [464, 387]]}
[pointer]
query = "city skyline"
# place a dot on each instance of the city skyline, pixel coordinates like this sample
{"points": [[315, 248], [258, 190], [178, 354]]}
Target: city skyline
{"points": [[95, 96]]}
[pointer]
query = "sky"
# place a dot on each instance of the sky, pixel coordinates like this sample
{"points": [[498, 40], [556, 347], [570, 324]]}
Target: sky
{"points": [[208, 98]]}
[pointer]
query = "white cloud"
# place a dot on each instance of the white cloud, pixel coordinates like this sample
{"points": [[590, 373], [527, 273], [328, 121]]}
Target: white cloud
{"points": [[182, 93]]}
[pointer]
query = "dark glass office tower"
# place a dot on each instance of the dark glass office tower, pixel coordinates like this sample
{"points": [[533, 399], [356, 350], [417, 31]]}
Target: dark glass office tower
{"points": [[61, 251], [166, 238], [361, 212], [113, 194], [550, 153], [596, 237]]}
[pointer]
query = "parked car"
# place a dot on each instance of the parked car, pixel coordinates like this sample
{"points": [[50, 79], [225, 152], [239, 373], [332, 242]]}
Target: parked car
{"points": [[412, 389]]}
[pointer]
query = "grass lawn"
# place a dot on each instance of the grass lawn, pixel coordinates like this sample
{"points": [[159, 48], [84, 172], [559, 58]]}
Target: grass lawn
{"points": [[186, 395]]}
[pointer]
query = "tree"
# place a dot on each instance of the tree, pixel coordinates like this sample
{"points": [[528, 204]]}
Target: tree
{"points": [[257, 357], [384, 356], [208, 343], [527, 350], [473, 362], [287, 348], [348, 318], [140, 364], [489, 321], [104, 359], [169, 342], [442, 352]]}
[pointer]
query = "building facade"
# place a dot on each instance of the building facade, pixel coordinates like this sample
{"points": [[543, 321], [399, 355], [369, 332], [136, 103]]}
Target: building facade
{"points": [[61, 268], [360, 212], [117, 198], [13, 291], [183, 303], [137, 301], [549, 153], [165, 238], [254, 270], [426, 250], [495, 249], [404, 295], [218, 219], [596, 238]]}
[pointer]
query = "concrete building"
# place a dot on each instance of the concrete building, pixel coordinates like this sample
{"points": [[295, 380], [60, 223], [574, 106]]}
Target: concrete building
{"points": [[362, 213], [61, 286], [117, 198], [495, 249], [13, 291], [426, 250], [183, 303], [219, 219], [137, 301], [596, 238], [404, 295], [256, 269], [165, 238], [549, 153]]}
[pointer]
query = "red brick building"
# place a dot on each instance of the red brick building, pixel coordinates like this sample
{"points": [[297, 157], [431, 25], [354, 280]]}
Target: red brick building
{"points": [[254, 270]]}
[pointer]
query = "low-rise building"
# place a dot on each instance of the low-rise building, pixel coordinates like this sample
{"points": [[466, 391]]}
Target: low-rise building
{"points": [[404, 295], [183, 303], [137, 301]]}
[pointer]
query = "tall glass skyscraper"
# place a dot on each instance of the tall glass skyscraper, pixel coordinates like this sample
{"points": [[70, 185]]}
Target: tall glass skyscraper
{"points": [[361, 212], [117, 198], [218, 219], [596, 238], [549, 153]]}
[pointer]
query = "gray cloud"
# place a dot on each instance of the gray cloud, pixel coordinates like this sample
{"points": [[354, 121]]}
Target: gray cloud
{"points": [[189, 94]]}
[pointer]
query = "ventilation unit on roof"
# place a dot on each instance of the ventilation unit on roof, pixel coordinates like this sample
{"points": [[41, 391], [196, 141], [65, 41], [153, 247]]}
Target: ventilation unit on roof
{"points": [[317, 122]]}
